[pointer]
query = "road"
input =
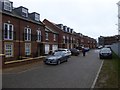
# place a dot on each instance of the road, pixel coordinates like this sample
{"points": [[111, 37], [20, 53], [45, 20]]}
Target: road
{"points": [[78, 72]]}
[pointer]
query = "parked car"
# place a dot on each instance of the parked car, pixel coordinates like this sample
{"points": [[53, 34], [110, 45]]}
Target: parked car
{"points": [[66, 51], [105, 53], [75, 51], [100, 47], [86, 49], [56, 58]]}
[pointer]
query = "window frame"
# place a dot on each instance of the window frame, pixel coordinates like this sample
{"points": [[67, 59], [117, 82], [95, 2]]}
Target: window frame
{"points": [[37, 17], [46, 36], [67, 39], [38, 35], [28, 34], [9, 50], [24, 12], [8, 31], [27, 49], [7, 5], [54, 37], [63, 39]]}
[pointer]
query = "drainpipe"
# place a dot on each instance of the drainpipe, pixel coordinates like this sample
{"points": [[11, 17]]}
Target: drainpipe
{"points": [[19, 42]]}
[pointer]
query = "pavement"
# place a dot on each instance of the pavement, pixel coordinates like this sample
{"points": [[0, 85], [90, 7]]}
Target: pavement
{"points": [[78, 72]]}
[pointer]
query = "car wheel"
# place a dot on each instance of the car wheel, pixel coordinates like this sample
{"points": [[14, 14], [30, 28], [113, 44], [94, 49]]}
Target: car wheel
{"points": [[100, 57], [66, 59], [58, 62]]}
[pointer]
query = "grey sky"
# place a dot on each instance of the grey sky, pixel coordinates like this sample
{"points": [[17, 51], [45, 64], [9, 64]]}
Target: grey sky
{"points": [[89, 17]]}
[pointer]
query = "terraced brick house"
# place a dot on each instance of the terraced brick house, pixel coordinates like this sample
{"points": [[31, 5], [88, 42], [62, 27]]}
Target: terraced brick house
{"points": [[24, 36], [51, 40], [22, 32], [66, 37]]}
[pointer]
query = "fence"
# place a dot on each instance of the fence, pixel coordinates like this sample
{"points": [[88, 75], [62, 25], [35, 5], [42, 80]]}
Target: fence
{"points": [[116, 48]]}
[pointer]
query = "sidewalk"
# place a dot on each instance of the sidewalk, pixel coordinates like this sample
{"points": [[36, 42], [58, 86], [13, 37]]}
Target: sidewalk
{"points": [[15, 63], [21, 68]]}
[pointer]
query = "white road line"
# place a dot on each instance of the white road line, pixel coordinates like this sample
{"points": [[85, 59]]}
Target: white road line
{"points": [[93, 85]]}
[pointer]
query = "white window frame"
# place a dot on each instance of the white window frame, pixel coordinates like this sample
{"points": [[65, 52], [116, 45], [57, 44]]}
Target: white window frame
{"points": [[63, 39], [8, 50], [37, 17], [65, 29], [27, 49], [7, 5], [28, 34], [25, 11], [67, 39], [61, 26], [38, 36], [55, 37], [8, 31], [46, 36], [71, 39], [77, 41]]}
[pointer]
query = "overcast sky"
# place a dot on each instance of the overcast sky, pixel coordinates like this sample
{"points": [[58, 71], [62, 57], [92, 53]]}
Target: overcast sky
{"points": [[89, 17]]}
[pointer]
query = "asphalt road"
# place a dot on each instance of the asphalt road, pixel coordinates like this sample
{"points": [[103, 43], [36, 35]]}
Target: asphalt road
{"points": [[78, 72]]}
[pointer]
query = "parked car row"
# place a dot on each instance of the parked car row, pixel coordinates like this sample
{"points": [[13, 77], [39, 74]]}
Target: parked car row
{"points": [[61, 55]]}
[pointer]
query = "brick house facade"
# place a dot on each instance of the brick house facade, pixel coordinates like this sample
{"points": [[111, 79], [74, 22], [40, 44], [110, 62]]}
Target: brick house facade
{"points": [[25, 36], [68, 38], [22, 33], [51, 40]]}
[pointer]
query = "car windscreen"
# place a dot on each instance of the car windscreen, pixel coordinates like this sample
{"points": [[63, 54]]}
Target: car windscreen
{"points": [[57, 53], [105, 50]]}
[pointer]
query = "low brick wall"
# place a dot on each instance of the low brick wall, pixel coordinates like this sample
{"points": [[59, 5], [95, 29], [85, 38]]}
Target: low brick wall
{"points": [[22, 62]]}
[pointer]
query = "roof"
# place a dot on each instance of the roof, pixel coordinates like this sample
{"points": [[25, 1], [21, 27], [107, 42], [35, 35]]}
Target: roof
{"points": [[48, 29], [16, 15]]}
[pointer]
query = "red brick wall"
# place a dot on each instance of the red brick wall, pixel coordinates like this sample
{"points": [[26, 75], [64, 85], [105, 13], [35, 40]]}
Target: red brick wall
{"points": [[19, 25]]}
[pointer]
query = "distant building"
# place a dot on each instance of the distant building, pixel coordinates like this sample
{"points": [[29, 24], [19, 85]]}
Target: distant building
{"points": [[108, 40]]}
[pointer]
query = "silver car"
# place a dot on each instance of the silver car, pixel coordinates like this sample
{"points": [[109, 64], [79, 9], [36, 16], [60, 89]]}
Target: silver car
{"points": [[105, 53], [66, 51], [56, 58]]}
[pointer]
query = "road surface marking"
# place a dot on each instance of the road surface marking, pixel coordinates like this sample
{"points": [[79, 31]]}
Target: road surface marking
{"points": [[93, 85]]}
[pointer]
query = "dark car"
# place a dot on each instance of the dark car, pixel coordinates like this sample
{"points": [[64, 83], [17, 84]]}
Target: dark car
{"points": [[56, 58], [75, 51], [105, 53]]}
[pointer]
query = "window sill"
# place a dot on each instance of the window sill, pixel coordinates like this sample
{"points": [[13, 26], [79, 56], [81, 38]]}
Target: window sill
{"points": [[9, 56], [8, 39], [38, 41]]}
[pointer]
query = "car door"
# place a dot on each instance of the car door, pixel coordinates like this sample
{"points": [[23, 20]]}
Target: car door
{"points": [[64, 57]]}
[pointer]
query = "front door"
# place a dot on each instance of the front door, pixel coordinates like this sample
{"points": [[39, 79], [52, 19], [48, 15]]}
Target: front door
{"points": [[40, 49]]}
